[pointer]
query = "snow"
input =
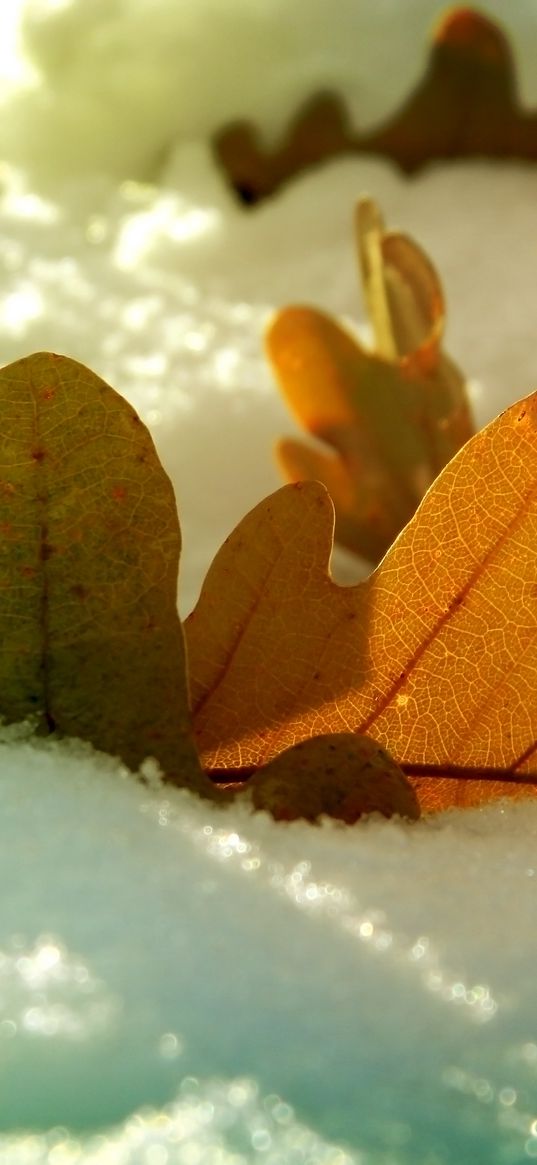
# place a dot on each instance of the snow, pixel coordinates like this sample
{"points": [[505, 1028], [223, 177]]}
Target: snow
{"points": [[181, 985], [114, 84], [210, 984]]}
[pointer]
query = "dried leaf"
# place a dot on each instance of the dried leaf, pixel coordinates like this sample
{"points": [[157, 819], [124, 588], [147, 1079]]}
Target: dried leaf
{"points": [[396, 417], [321, 130], [434, 655], [466, 105], [339, 775], [90, 541]]}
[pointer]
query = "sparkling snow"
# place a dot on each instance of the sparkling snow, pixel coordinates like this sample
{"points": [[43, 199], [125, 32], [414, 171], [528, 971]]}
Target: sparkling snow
{"points": [[205, 985]]}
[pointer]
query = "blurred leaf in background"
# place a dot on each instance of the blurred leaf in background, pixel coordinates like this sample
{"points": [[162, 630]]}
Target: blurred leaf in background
{"points": [[396, 415]]}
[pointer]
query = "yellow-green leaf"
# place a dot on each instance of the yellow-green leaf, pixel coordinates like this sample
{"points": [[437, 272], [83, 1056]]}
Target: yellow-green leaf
{"points": [[91, 642]]}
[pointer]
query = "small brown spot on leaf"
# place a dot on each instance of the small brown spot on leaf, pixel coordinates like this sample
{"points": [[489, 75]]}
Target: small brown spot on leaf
{"points": [[455, 602]]}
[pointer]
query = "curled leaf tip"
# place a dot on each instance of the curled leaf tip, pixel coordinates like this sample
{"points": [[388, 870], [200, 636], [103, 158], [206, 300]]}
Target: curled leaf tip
{"points": [[394, 416]]}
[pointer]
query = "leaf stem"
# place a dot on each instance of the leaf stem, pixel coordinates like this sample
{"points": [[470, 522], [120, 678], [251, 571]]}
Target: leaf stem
{"points": [[234, 776]]}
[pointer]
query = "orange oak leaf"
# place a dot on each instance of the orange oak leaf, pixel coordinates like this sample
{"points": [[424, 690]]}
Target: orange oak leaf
{"points": [[91, 643], [466, 105], [434, 655], [396, 416]]}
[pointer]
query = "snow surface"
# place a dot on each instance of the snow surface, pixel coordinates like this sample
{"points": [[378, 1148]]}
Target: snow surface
{"points": [[181, 985], [208, 986]]}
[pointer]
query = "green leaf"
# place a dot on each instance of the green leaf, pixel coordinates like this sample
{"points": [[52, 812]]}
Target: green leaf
{"points": [[89, 552]]}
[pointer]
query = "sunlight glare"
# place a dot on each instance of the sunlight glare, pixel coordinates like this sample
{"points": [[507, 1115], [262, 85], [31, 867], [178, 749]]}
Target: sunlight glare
{"points": [[15, 68]]}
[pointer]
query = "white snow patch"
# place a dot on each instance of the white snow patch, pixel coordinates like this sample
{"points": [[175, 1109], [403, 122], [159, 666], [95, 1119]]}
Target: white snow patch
{"points": [[204, 977], [114, 84]]}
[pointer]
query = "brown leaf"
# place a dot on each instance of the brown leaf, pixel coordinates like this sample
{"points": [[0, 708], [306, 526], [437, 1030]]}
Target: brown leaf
{"points": [[465, 106], [395, 417], [89, 551], [339, 775], [321, 130], [434, 655]]}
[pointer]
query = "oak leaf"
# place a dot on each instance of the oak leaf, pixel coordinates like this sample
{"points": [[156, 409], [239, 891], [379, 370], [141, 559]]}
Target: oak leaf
{"points": [[434, 655], [395, 416], [466, 105], [89, 550]]}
